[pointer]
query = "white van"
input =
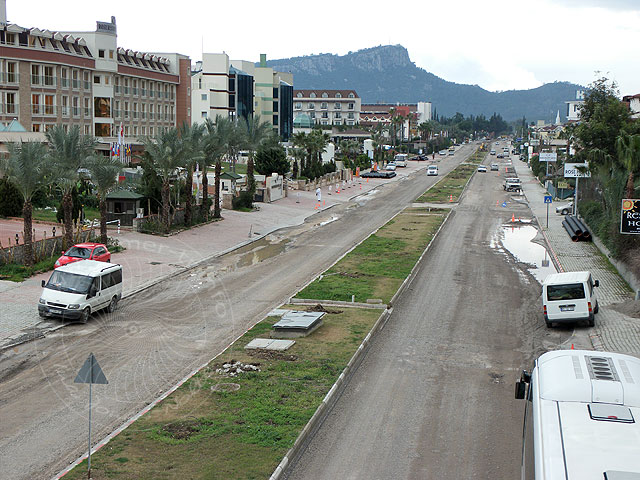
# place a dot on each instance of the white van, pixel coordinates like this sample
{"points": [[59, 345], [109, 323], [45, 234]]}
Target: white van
{"points": [[76, 290], [401, 159], [432, 170], [569, 297], [581, 416]]}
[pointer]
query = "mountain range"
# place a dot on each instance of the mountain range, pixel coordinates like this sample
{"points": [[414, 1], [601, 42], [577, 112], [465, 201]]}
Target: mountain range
{"points": [[386, 74]]}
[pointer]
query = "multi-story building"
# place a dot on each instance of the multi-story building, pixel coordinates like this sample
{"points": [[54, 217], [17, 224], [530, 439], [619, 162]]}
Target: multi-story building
{"points": [[381, 114], [634, 104], [573, 107], [327, 107], [85, 79], [239, 89]]}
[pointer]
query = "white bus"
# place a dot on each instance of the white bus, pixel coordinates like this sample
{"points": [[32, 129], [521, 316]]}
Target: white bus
{"points": [[582, 417]]}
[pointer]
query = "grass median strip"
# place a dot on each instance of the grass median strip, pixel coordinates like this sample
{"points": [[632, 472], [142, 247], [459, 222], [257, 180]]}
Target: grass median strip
{"points": [[220, 427], [377, 267]]}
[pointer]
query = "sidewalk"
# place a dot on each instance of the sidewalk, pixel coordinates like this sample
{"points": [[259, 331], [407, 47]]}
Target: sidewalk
{"points": [[148, 258], [613, 331]]}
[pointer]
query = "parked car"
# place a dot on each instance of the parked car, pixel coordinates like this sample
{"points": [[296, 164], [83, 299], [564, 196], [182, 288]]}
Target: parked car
{"points": [[492, 152], [432, 170], [378, 174], [442, 152], [391, 166], [500, 155], [565, 209], [482, 168], [452, 152], [84, 251], [569, 297], [512, 184], [495, 167]]}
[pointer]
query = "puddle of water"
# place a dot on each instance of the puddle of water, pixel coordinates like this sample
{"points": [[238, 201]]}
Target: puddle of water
{"points": [[517, 240], [261, 253]]}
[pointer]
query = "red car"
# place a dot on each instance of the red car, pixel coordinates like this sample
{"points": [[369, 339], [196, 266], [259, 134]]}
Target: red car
{"points": [[84, 251]]}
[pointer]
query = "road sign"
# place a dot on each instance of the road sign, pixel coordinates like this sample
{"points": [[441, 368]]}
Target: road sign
{"points": [[630, 213], [548, 199], [548, 157], [91, 372], [572, 170], [504, 204], [563, 184]]}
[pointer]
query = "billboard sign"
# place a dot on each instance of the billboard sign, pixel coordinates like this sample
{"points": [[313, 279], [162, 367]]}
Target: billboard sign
{"points": [[548, 157], [576, 170], [630, 216]]}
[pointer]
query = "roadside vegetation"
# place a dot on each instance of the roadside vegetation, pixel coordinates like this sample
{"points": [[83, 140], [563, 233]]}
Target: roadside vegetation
{"points": [[451, 186], [376, 268], [220, 427], [18, 273]]}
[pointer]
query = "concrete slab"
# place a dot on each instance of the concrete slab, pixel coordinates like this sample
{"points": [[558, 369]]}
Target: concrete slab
{"points": [[269, 344], [278, 312]]}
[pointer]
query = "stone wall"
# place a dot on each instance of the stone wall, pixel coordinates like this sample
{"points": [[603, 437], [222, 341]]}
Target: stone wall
{"points": [[44, 248]]}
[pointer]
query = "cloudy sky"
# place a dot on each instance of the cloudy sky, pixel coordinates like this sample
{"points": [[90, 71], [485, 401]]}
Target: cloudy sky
{"points": [[497, 44]]}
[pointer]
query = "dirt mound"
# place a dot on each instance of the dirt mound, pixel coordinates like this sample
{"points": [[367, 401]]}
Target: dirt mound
{"points": [[319, 308], [630, 308], [181, 430], [272, 355]]}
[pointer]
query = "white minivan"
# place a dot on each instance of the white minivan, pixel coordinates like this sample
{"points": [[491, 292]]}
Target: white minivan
{"points": [[76, 290], [569, 297], [401, 159]]}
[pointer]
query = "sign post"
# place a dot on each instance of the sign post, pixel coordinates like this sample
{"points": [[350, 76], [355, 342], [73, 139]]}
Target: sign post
{"points": [[630, 216], [90, 373], [547, 200], [577, 171]]}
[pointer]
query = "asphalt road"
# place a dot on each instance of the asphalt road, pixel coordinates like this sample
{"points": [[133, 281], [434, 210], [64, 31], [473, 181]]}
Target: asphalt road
{"points": [[160, 335], [433, 398]]}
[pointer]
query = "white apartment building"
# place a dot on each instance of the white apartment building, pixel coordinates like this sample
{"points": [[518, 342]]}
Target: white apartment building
{"points": [[573, 107], [327, 107]]}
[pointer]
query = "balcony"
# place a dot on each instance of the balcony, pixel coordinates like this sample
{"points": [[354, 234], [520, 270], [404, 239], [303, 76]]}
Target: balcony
{"points": [[10, 108], [64, 82], [75, 83], [9, 78], [39, 109]]}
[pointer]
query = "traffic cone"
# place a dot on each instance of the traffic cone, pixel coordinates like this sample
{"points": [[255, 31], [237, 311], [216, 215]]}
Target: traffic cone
{"points": [[316, 207], [513, 217], [324, 202], [497, 203], [450, 198]]}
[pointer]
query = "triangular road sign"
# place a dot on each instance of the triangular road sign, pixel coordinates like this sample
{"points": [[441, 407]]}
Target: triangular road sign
{"points": [[91, 372]]}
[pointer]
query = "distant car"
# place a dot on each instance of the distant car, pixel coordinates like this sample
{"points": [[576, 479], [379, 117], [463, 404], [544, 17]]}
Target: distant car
{"points": [[482, 168], [495, 167], [452, 152], [84, 251], [497, 143], [500, 155], [492, 152], [432, 170], [391, 166], [565, 209], [442, 152]]}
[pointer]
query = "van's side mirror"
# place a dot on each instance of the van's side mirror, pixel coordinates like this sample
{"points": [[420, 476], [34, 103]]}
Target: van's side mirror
{"points": [[596, 283], [43, 283], [521, 388]]}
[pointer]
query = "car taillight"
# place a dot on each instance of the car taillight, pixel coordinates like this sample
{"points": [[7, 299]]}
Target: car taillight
{"points": [[544, 307], [589, 305]]}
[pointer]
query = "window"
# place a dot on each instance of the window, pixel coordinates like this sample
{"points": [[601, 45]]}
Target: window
{"points": [[64, 77], [299, 95], [143, 110], [325, 95], [126, 131], [65, 105], [313, 95], [338, 95], [86, 82], [35, 74], [151, 131], [103, 129], [48, 105], [351, 115], [126, 109], [337, 115], [106, 80], [76, 107], [351, 95], [135, 109], [276, 92], [96, 79], [11, 102], [313, 114], [35, 127], [87, 107], [325, 115], [204, 115], [297, 106], [12, 72], [49, 76], [10, 39], [74, 78], [351, 105], [135, 131], [144, 130], [323, 106], [337, 105], [111, 54], [35, 104], [87, 129], [312, 106], [101, 107], [204, 96], [101, 53]]}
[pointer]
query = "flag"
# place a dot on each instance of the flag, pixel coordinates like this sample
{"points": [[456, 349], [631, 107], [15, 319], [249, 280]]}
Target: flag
{"points": [[121, 134]]}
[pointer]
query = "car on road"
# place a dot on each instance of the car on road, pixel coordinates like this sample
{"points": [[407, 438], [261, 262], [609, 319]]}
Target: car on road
{"points": [[378, 174], [442, 152], [495, 167], [500, 155], [565, 208], [391, 166], [492, 152], [512, 184], [84, 251], [432, 170], [452, 152], [482, 168]]}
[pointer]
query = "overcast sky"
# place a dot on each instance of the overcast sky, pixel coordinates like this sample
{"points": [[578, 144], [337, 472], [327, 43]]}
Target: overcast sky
{"points": [[497, 44]]}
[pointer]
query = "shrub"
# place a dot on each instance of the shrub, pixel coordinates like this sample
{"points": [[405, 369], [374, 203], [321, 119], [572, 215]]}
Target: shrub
{"points": [[244, 200], [10, 199]]}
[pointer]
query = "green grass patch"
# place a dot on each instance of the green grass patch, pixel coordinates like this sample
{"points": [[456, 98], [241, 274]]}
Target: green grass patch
{"points": [[18, 273], [450, 187], [377, 267], [200, 433], [241, 168], [42, 215]]}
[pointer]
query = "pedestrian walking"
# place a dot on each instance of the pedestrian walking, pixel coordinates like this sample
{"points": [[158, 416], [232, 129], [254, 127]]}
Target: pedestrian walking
{"points": [[318, 194]]}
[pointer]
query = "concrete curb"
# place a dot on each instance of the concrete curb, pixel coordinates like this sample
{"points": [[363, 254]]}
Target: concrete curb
{"points": [[329, 400], [336, 303]]}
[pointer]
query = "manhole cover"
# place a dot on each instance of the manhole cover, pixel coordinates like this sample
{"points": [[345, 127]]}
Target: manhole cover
{"points": [[225, 387]]}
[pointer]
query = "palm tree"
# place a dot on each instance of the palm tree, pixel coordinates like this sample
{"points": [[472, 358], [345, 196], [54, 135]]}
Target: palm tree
{"points": [[191, 145], [25, 168], [68, 152], [214, 149], [628, 148], [165, 153], [104, 176], [255, 132], [301, 141]]}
